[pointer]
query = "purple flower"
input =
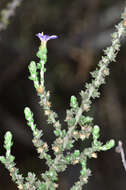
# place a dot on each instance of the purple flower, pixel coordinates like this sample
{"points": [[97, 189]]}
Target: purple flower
{"points": [[45, 38]]}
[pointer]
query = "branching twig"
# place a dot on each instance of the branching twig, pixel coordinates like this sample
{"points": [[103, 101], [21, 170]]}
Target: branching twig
{"points": [[8, 12]]}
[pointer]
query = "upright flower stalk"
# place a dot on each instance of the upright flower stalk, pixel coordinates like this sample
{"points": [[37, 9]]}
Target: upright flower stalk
{"points": [[79, 126], [37, 75]]}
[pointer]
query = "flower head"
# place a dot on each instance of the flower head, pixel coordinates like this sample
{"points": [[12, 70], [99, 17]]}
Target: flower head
{"points": [[45, 38]]}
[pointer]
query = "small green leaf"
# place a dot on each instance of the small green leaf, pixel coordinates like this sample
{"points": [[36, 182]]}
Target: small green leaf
{"points": [[83, 171], [108, 145], [8, 140], [32, 67], [57, 132], [11, 158], [69, 145], [42, 186], [28, 113], [68, 158], [2, 159], [71, 122], [95, 132], [76, 153], [73, 102], [63, 133], [39, 54]]}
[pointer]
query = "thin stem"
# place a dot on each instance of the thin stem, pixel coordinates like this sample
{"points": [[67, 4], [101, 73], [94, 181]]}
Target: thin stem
{"points": [[119, 149]]}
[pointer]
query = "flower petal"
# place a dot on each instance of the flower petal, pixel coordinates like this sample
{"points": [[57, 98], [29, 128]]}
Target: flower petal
{"points": [[52, 37], [45, 38]]}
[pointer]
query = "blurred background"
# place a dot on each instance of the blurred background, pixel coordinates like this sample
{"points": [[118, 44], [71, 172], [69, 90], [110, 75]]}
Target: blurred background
{"points": [[84, 28]]}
